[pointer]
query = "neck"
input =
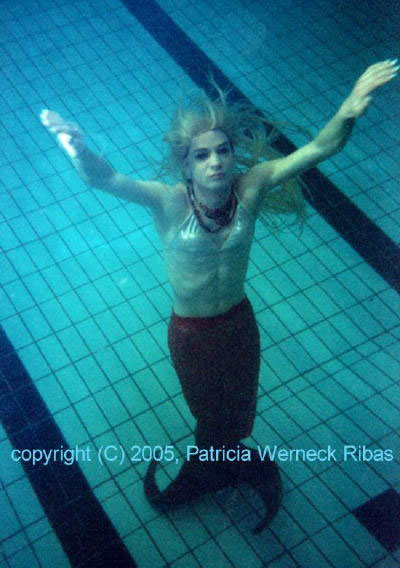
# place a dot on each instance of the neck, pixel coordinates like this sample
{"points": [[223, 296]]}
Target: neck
{"points": [[212, 199], [221, 216]]}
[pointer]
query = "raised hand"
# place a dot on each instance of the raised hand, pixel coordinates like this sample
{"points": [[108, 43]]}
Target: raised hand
{"points": [[68, 133], [375, 76]]}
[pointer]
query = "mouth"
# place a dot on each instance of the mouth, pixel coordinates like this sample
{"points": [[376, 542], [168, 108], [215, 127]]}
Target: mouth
{"points": [[217, 176]]}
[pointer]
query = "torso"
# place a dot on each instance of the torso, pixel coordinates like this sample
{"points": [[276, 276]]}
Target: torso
{"points": [[206, 270]]}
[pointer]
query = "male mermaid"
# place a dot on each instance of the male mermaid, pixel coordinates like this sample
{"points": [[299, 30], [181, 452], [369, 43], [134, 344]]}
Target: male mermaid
{"points": [[206, 223]]}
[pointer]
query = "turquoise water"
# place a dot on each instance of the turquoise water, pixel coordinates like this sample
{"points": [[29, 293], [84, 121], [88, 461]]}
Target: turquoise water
{"points": [[85, 302]]}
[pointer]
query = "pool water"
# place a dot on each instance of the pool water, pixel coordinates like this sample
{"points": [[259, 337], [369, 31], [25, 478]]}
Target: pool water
{"points": [[85, 303]]}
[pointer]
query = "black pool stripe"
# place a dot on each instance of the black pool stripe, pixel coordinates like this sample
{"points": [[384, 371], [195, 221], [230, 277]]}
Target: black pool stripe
{"points": [[339, 211], [87, 535]]}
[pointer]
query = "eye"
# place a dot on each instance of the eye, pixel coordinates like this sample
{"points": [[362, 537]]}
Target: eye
{"points": [[201, 156]]}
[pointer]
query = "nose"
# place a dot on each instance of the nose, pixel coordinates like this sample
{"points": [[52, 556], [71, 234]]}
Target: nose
{"points": [[215, 160]]}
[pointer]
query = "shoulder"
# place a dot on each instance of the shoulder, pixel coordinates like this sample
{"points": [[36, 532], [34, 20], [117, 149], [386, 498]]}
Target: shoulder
{"points": [[249, 189], [164, 195], [173, 194], [263, 177], [258, 177], [174, 207]]}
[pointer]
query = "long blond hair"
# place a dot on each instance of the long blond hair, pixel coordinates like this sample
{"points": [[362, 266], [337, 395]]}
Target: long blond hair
{"points": [[250, 134]]}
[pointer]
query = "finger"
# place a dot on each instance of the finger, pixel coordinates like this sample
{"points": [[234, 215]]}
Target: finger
{"points": [[55, 122], [377, 78], [387, 66], [384, 76], [49, 117], [383, 64], [388, 69], [67, 143], [370, 86], [391, 61], [44, 116], [65, 127]]}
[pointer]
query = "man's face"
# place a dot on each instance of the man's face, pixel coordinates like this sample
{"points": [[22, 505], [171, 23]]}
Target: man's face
{"points": [[210, 161]]}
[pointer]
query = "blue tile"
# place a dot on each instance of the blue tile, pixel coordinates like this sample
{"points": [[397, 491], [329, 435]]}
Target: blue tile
{"points": [[357, 536], [172, 420], [323, 499], [364, 476], [92, 335], [150, 386], [48, 548], [308, 518], [25, 557], [236, 549], [92, 417], [387, 364], [52, 393], [141, 546], [56, 280], [73, 385], [368, 421], [54, 352], [353, 384], [33, 359], [297, 354], [307, 554], [384, 410], [111, 364], [7, 272], [147, 347], [17, 332], [38, 289], [109, 291], [36, 323], [282, 423], [10, 522], [112, 406], [122, 514], [210, 552], [24, 502], [187, 561], [161, 530], [110, 326], [352, 333], [343, 487], [289, 317], [322, 301], [131, 396], [21, 261], [318, 403], [7, 308], [55, 314], [334, 547], [347, 429], [10, 470]]}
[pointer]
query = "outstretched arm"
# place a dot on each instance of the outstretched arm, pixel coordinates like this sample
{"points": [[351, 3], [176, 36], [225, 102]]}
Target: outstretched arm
{"points": [[94, 170], [336, 133], [332, 137]]}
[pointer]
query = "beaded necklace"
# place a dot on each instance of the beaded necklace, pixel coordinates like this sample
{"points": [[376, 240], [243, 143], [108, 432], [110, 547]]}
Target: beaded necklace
{"points": [[222, 215]]}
